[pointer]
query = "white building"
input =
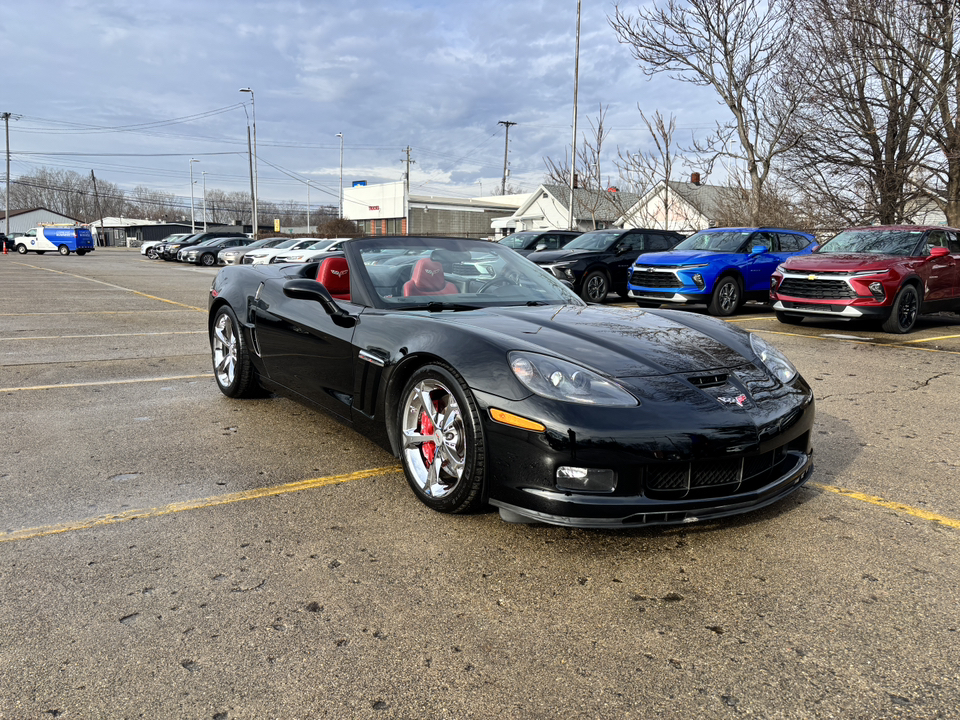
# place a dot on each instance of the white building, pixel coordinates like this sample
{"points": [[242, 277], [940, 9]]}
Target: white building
{"points": [[387, 209], [23, 220], [548, 208], [685, 207]]}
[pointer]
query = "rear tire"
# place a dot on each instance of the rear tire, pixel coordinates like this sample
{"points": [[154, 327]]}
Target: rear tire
{"points": [[81, 253], [726, 297], [903, 314], [235, 374], [63, 250], [788, 319]]}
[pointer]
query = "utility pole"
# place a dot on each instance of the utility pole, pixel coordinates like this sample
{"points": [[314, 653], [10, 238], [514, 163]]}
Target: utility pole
{"points": [[6, 204], [506, 150], [253, 192], [406, 175], [96, 200]]}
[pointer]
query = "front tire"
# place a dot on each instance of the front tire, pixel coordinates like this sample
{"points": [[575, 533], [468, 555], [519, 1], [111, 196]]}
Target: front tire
{"points": [[63, 250], [903, 314], [22, 249], [441, 440], [208, 260], [726, 297], [151, 253], [232, 368], [595, 287]]}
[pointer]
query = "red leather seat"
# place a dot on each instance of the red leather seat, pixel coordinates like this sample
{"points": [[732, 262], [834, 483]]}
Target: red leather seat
{"points": [[428, 279], [334, 275]]}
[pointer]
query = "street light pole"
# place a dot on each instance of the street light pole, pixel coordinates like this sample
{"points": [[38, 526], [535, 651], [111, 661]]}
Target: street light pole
{"points": [[256, 178], [193, 222], [204, 174], [340, 135], [573, 142]]}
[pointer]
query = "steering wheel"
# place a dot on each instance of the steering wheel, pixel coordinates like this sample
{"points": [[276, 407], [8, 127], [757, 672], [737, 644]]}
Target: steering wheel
{"points": [[496, 282]]}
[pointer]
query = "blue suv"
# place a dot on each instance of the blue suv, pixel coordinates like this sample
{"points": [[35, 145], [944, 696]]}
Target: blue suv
{"points": [[721, 267]]}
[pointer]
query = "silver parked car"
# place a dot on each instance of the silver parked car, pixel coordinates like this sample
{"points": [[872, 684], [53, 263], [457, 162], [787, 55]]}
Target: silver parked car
{"points": [[234, 255]]}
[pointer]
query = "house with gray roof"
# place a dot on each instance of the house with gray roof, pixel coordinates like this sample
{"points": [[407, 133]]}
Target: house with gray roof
{"points": [[548, 208], [682, 206]]}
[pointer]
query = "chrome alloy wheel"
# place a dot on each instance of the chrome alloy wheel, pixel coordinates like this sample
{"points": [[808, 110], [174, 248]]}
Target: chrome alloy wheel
{"points": [[434, 438], [224, 350]]}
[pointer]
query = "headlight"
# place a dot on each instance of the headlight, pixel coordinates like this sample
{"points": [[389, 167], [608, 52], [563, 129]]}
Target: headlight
{"points": [[693, 267], [781, 269], [774, 360], [557, 379]]}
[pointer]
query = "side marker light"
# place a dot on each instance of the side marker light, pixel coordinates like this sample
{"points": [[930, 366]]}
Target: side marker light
{"points": [[516, 421]]}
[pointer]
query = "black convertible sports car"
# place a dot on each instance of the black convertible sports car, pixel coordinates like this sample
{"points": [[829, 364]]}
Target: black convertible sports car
{"points": [[495, 384]]}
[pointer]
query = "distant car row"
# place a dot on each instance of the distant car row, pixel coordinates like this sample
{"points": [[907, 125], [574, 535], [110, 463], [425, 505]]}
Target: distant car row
{"points": [[209, 249], [890, 274]]}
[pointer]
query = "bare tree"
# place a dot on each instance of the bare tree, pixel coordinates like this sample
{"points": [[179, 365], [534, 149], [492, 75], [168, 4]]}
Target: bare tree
{"points": [[151, 204], [736, 47], [66, 192], [595, 201], [924, 36], [857, 144], [651, 172]]}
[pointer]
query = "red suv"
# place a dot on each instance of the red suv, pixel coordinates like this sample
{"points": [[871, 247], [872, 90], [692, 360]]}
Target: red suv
{"points": [[888, 273]]}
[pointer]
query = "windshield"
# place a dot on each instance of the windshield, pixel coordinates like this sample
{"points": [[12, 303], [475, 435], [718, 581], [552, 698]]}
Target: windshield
{"points": [[520, 240], [320, 245], [594, 240], [876, 242], [728, 241], [445, 273]]}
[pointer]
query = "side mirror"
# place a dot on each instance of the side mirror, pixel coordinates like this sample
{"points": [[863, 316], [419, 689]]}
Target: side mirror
{"points": [[815, 247], [540, 246], [304, 289], [758, 249], [939, 251]]}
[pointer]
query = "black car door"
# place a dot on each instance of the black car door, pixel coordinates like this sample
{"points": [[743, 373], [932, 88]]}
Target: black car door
{"points": [[303, 349], [625, 252]]}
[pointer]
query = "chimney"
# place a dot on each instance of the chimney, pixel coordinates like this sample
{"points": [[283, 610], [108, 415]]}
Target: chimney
{"points": [[695, 179]]}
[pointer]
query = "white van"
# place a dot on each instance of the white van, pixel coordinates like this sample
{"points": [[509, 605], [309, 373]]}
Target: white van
{"points": [[62, 239]]}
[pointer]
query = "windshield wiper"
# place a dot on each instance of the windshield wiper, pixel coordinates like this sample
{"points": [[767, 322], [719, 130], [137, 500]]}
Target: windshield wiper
{"points": [[437, 306]]}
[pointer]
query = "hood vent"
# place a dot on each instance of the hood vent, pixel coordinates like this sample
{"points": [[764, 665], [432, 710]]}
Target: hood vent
{"points": [[705, 381]]}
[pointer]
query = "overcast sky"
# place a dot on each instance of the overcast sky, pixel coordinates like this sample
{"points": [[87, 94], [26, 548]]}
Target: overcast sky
{"points": [[433, 75]]}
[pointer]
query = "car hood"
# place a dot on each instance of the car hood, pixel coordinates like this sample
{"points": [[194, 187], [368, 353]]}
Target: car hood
{"points": [[680, 257], [548, 257], [620, 342], [840, 262]]}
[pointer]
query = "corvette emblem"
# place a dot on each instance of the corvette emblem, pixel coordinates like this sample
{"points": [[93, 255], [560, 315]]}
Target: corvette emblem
{"points": [[811, 277], [339, 273], [739, 400], [428, 271]]}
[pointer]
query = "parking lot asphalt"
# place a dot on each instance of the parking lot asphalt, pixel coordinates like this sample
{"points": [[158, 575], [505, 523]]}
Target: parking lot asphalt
{"points": [[167, 552]]}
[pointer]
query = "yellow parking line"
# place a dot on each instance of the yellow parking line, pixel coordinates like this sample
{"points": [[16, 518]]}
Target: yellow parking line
{"points": [[114, 518], [941, 337], [899, 507], [92, 312], [104, 382], [901, 345], [118, 287], [110, 335]]}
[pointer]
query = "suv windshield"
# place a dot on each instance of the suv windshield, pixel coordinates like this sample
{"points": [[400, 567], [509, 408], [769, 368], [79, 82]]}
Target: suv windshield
{"points": [[520, 240], [594, 240], [877, 242], [728, 241]]}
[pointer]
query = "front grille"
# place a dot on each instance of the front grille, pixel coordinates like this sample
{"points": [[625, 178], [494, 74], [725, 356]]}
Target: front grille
{"points": [[653, 279], [708, 477], [819, 289]]}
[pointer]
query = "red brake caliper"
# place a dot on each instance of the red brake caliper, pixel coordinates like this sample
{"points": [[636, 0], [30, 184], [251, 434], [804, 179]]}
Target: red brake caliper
{"points": [[429, 449]]}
